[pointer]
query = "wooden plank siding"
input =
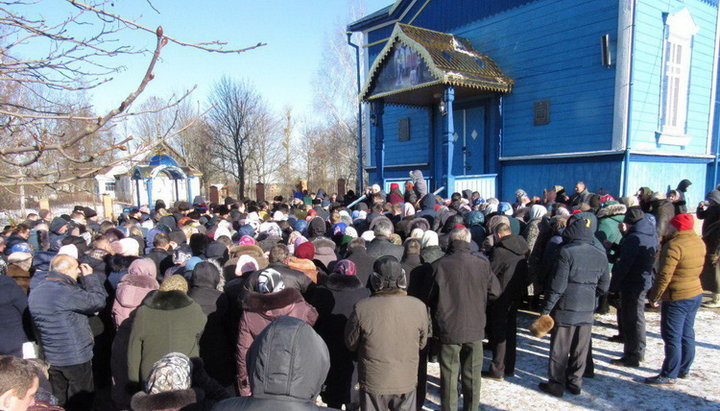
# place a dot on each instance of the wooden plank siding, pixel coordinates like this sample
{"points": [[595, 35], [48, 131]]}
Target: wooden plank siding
{"points": [[647, 75], [551, 49], [599, 173]]}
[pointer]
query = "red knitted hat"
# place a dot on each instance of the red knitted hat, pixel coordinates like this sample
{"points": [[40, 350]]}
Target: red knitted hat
{"points": [[683, 222], [305, 250]]}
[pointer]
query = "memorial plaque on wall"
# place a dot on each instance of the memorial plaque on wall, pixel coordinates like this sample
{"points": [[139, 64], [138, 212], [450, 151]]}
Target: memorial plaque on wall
{"points": [[404, 129]]}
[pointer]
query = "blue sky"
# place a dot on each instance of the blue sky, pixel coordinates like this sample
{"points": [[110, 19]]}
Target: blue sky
{"points": [[294, 30]]}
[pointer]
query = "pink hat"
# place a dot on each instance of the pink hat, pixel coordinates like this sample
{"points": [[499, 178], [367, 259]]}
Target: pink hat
{"points": [[246, 240]]}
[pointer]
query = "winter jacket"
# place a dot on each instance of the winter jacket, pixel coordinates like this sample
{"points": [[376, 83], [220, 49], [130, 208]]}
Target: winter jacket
{"points": [[289, 378], [508, 260], [118, 267], [464, 283], [382, 246], [131, 291], [334, 302], [205, 280], [169, 321], [305, 266], [259, 310], [609, 219], [431, 254], [363, 263], [21, 277], [325, 251], [163, 259], [13, 308], [664, 211], [395, 197], [709, 215], [633, 271], [216, 345], [60, 308], [387, 330], [291, 278], [681, 262], [580, 274]]}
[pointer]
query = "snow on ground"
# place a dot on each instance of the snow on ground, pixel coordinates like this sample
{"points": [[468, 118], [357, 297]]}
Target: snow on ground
{"points": [[614, 387]]}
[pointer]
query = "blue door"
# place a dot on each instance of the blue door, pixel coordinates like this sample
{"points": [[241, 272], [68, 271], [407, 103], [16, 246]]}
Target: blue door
{"points": [[469, 137]]}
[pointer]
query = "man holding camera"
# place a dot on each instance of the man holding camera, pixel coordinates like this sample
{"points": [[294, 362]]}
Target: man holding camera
{"points": [[60, 307]]}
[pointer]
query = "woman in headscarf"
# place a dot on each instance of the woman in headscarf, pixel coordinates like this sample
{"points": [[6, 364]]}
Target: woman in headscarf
{"points": [[268, 301], [131, 291], [431, 250]]}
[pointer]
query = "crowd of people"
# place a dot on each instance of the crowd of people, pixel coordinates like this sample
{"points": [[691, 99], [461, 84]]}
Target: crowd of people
{"points": [[341, 298]]}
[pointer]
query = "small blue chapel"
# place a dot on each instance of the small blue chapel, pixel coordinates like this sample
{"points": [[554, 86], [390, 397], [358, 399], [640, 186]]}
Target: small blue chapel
{"points": [[505, 94]]}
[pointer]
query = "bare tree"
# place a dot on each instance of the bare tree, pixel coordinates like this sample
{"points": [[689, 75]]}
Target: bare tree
{"points": [[237, 119], [43, 62]]}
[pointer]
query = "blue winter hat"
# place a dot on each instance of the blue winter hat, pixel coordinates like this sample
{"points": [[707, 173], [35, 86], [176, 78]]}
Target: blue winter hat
{"points": [[504, 207], [192, 262], [246, 230], [21, 248], [301, 226], [474, 217]]}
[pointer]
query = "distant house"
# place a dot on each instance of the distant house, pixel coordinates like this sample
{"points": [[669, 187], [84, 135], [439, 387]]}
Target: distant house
{"points": [[499, 95], [158, 177]]}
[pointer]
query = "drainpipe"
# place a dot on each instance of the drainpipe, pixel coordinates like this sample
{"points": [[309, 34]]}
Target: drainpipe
{"points": [[359, 177], [626, 159]]}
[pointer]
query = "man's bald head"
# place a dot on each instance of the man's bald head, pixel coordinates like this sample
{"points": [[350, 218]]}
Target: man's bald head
{"points": [[65, 264]]}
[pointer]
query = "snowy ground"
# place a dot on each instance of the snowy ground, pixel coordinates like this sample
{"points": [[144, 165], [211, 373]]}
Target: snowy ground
{"points": [[618, 388]]}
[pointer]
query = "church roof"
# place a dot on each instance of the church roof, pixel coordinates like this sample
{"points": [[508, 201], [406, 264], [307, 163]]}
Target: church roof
{"points": [[450, 60]]}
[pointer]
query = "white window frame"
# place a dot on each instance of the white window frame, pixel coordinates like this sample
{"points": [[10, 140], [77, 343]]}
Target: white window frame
{"points": [[677, 57]]}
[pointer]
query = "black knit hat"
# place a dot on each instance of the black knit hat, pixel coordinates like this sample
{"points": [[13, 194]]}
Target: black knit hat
{"points": [[633, 215]]}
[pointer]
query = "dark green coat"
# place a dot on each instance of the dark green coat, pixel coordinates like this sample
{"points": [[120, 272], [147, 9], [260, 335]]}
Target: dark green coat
{"points": [[169, 321]]}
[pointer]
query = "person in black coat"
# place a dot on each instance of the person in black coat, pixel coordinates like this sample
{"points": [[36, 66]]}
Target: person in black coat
{"points": [[632, 277], [381, 245], [357, 253], [508, 259], [463, 284], [161, 253], [216, 345], [580, 274], [419, 283], [286, 379], [334, 302], [13, 312]]}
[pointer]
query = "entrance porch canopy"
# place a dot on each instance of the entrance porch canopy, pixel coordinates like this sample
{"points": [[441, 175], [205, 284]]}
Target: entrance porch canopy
{"points": [[417, 65]]}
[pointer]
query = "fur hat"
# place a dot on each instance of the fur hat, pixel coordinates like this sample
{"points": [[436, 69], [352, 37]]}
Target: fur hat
{"points": [[388, 274], [540, 327], [126, 247], [175, 282], [19, 256], [245, 264]]}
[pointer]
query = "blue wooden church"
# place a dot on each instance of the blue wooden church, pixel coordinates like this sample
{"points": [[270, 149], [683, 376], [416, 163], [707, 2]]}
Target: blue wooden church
{"points": [[496, 95]]}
